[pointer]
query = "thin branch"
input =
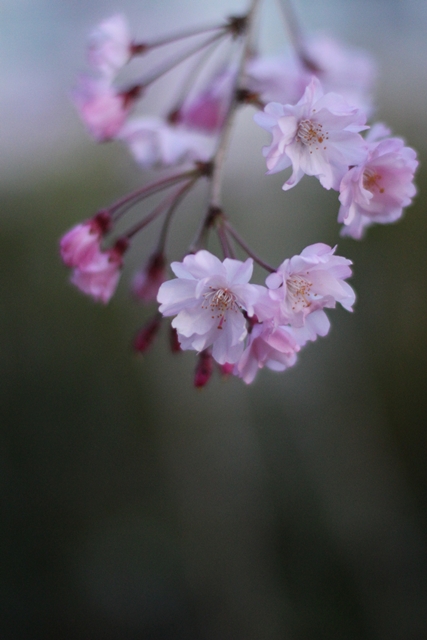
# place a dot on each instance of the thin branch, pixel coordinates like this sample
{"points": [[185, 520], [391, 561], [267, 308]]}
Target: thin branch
{"points": [[296, 35], [214, 207], [246, 247], [191, 76], [208, 221], [122, 205], [169, 201], [177, 59], [182, 192], [188, 33], [219, 158], [227, 249]]}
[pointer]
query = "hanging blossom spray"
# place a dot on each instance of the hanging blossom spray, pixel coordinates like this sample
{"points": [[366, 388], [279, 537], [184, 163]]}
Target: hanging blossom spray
{"points": [[315, 104]]}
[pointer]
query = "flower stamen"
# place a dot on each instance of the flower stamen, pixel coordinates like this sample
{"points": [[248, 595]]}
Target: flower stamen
{"points": [[310, 133], [220, 301], [298, 289], [370, 180]]}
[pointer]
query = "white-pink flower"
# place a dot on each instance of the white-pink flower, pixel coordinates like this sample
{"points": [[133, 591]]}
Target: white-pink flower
{"points": [[154, 142], [347, 71], [268, 345], [309, 282], [283, 78], [102, 109], [277, 78], [110, 46], [99, 277], [318, 136], [377, 190], [208, 298]]}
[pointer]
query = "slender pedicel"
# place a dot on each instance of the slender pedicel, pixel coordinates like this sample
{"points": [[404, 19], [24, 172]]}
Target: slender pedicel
{"points": [[246, 247]]}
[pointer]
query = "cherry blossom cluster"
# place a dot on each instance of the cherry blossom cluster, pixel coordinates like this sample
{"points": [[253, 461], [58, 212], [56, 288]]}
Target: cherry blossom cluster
{"points": [[315, 103], [320, 136], [244, 326]]}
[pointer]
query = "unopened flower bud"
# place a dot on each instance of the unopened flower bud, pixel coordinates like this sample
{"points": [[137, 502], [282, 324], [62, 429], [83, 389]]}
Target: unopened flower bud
{"points": [[175, 347], [147, 334], [102, 109], [146, 282], [79, 245], [207, 111], [204, 369], [226, 369]]}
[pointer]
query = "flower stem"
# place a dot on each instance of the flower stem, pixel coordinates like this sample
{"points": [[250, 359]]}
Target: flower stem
{"points": [[182, 35], [220, 154], [233, 233], [179, 196], [227, 249], [212, 214], [191, 77], [177, 59], [118, 208], [214, 207], [296, 35], [171, 201]]}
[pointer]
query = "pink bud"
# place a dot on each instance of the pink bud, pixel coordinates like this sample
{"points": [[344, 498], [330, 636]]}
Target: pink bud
{"points": [[146, 282], [102, 109], [207, 111], [204, 369], [175, 347], [99, 277], [79, 245], [146, 335], [226, 369]]}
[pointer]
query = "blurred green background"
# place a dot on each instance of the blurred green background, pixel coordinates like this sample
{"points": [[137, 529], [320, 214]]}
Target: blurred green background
{"points": [[132, 505]]}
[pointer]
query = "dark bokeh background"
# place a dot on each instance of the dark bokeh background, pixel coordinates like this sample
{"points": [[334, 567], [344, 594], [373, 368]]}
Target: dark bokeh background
{"points": [[134, 507]]}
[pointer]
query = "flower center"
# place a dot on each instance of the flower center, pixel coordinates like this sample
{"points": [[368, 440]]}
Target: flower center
{"points": [[310, 133], [298, 290], [370, 181], [219, 301]]}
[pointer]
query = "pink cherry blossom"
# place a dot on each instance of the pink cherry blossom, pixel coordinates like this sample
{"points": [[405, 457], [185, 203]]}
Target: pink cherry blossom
{"points": [[203, 114], [147, 281], [278, 78], [100, 277], [110, 46], [318, 137], [377, 190], [208, 298], [154, 142], [313, 280], [206, 111], [102, 109], [344, 70], [274, 347], [79, 245], [316, 324], [284, 77]]}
